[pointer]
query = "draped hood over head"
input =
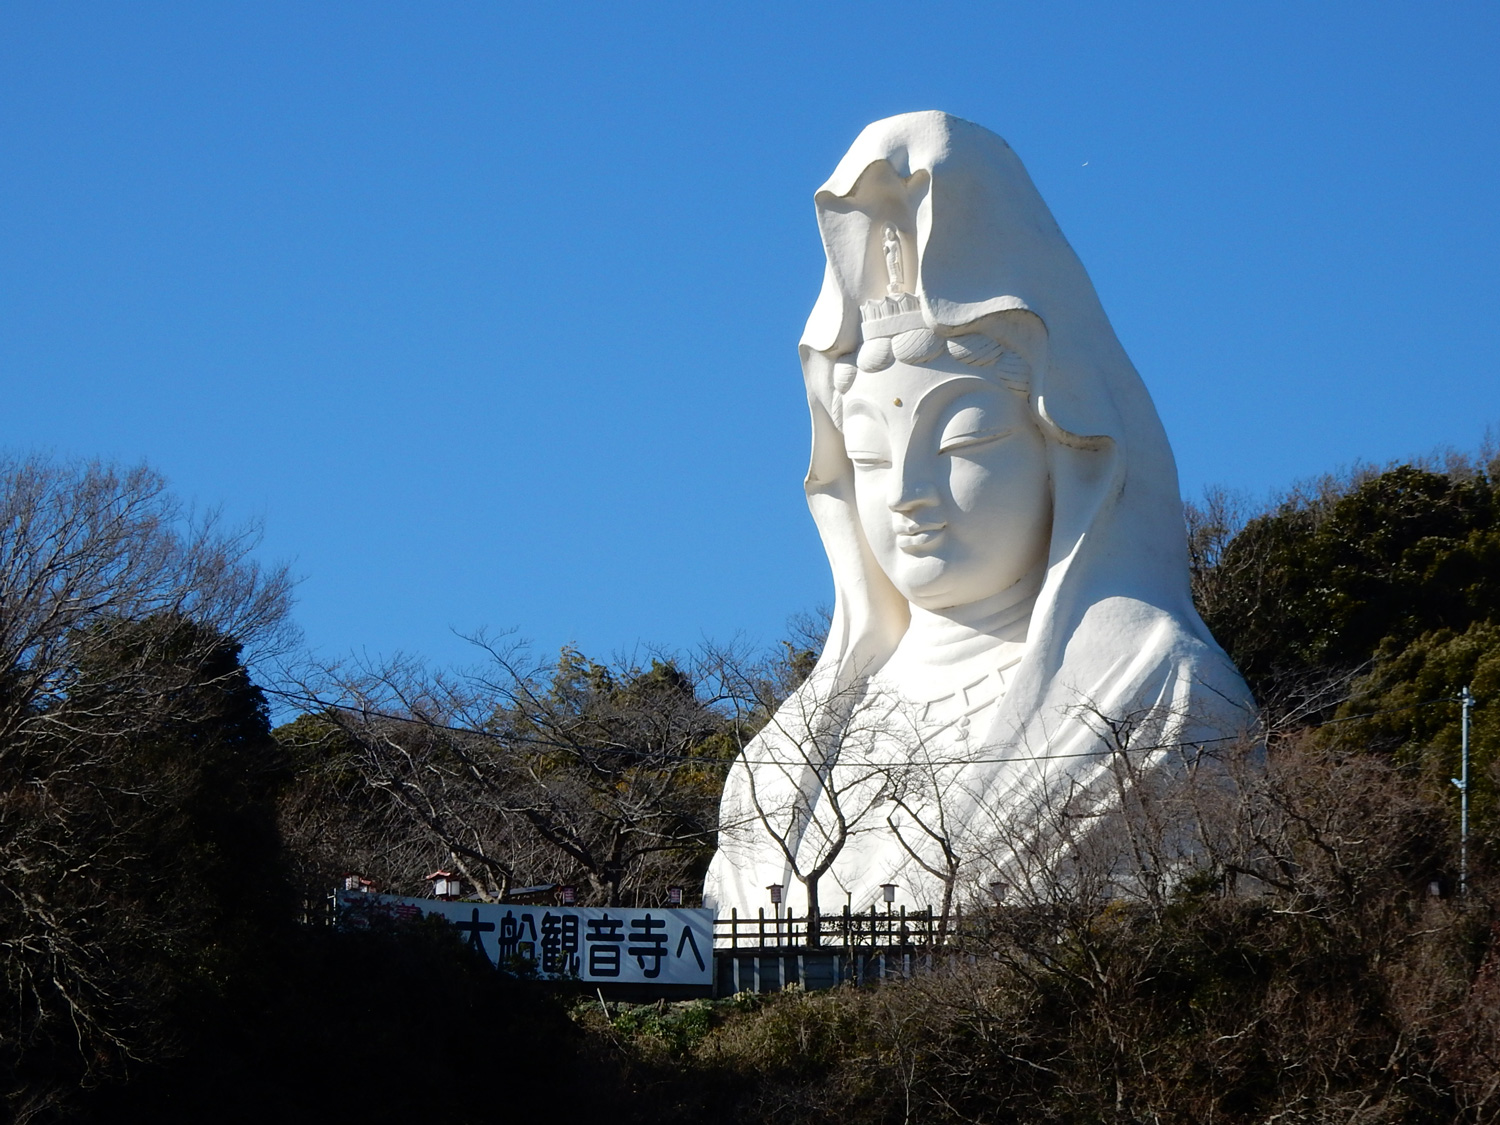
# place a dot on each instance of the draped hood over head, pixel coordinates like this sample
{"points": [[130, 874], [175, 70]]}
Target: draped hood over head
{"points": [[1113, 630]]}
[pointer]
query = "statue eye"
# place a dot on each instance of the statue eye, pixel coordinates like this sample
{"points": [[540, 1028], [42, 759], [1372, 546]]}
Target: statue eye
{"points": [[865, 444], [869, 459], [969, 429]]}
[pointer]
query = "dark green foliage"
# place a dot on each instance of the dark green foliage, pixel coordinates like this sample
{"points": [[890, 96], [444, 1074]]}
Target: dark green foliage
{"points": [[1321, 582], [207, 836], [139, 860], [144, 865], [1369, 601], [677, 1027], [1407, 705]]}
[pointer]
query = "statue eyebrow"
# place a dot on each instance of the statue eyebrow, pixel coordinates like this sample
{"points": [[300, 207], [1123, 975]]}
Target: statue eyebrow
{"points": [[859, 408], [966, 384]]}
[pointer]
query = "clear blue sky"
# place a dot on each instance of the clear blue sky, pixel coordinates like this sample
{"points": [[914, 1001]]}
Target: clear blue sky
{"points": [[490, 311]]}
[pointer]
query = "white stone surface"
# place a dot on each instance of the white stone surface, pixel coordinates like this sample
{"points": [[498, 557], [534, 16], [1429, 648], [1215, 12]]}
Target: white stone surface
{"points": [[1001, 515]]}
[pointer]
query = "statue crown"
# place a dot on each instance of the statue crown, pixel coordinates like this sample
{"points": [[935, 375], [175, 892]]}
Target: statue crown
{"points": [[887, 316]]}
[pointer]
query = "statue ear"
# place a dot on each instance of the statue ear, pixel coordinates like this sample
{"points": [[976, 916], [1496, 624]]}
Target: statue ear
{"points": [[824, 400]]}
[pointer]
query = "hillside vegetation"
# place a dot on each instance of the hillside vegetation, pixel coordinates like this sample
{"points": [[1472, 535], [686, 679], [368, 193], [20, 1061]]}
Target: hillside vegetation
{"points": [[165, 855]]}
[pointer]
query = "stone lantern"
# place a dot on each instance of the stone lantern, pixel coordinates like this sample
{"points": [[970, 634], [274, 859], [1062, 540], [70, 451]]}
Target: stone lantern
{"points": [[445, 885]]}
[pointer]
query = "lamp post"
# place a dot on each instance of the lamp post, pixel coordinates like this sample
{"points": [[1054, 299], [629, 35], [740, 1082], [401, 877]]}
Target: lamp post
{"points": [[775, 889], [888, 892], [1466, 699]]}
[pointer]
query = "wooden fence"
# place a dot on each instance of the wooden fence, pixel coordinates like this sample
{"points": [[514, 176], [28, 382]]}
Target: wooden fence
{"points": [[896, 928]]}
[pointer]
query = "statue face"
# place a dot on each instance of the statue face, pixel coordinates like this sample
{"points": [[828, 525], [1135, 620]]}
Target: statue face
{"points": [[951, 481]]}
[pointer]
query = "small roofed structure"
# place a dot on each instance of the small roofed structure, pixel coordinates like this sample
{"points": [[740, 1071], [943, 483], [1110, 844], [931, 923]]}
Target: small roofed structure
{"points": [[445, 885]]}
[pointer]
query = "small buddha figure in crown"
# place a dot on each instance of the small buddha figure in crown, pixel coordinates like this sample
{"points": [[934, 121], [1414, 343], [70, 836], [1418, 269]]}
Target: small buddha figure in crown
{"points": [[895, 273]]}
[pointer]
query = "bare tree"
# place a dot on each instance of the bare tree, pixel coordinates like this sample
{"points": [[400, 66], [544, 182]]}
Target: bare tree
{"points": [[129, 735], [1211, 527], [562, 772], [1328, 984], [87, 549], [421, 784], [818, 775], [924, 817]]}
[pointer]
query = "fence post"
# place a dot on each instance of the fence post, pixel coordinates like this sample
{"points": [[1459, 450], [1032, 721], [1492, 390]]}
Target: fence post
{"points": [[762, 910], [734, 929]]}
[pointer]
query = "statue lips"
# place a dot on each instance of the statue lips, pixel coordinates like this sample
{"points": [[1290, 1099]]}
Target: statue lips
{"points": [[920, 539]]}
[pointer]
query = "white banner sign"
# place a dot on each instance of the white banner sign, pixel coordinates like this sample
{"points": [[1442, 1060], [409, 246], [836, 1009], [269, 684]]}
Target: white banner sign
{"points": [[599, 944]]}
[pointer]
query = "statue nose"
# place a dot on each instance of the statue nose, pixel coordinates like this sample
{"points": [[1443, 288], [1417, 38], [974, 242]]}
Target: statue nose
{"points": [[911, 494], [911, 482]]}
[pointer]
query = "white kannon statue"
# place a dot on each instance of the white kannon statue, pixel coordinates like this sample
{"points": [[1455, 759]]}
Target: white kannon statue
{"points": [[1013, 644]]}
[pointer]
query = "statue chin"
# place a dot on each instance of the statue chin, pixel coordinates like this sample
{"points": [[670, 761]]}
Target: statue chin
{"points": [[968, 588], [1000, 511]]}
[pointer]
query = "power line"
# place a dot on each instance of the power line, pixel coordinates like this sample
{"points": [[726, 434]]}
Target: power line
{"points": [[1104, 753]]}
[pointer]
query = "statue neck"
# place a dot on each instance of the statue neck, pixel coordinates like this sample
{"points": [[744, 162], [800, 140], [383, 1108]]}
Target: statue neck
{"points": [[941, 647]]}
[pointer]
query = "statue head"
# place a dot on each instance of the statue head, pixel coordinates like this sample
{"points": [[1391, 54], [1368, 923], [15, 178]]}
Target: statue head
{"points": [[950, 474], [1025, 451]]}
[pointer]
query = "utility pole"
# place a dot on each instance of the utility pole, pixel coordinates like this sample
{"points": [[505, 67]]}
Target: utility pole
{"points": [[1466, 699]]}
